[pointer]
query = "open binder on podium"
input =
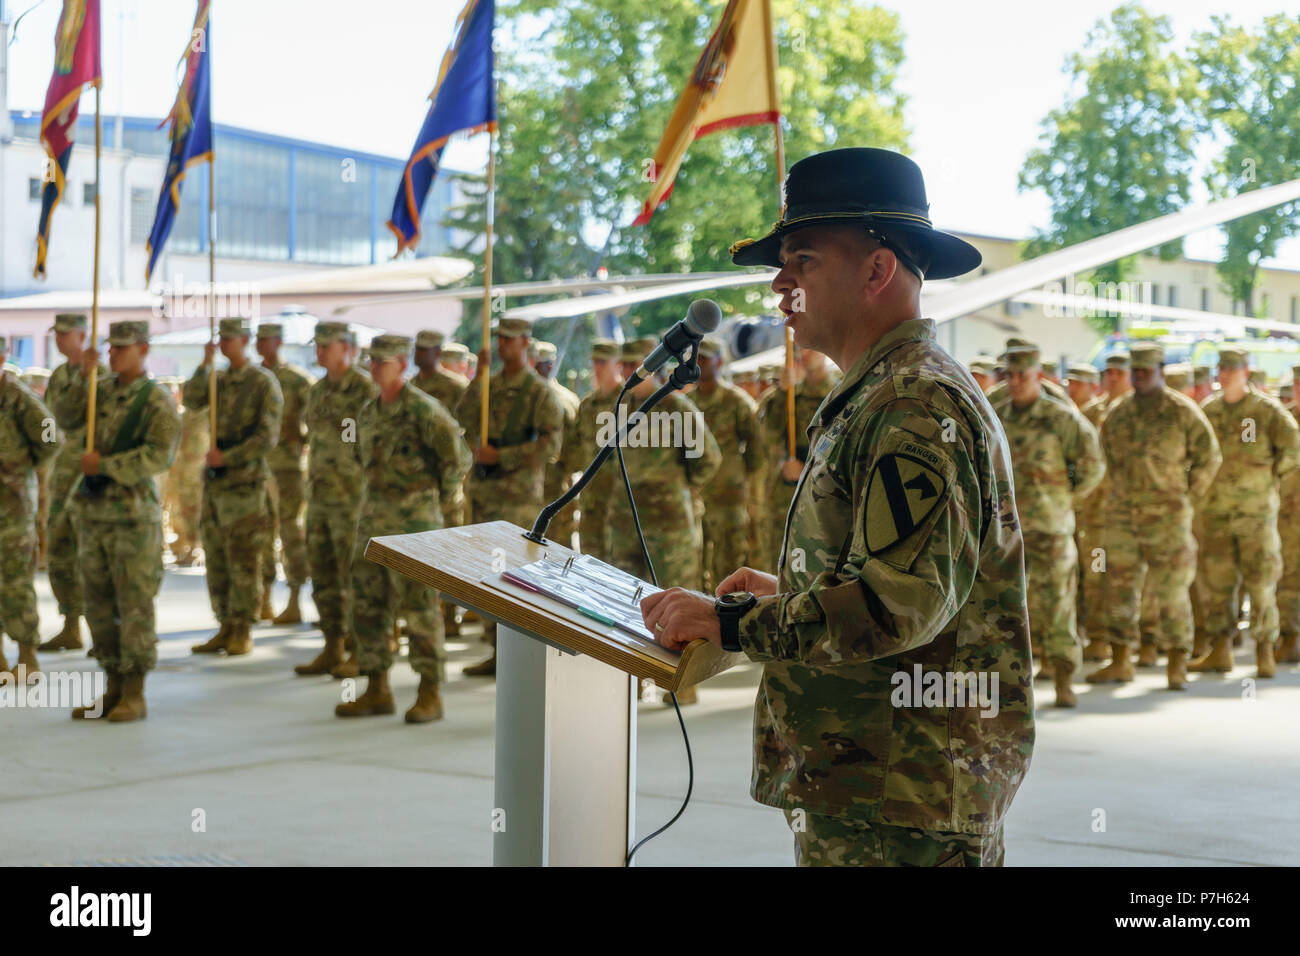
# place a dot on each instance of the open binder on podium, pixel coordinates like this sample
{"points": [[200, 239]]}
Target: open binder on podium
{"points": [[570, 633]]}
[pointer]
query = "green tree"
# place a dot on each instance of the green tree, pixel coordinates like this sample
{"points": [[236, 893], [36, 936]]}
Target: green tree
{"points": [[1252, 85], [585, 92], [1120, 150]]}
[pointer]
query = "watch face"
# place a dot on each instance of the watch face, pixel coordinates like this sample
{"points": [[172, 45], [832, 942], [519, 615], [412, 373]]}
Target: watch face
{"points": [[736, 598]]}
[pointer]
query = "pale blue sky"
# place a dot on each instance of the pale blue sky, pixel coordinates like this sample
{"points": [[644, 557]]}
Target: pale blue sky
{"points": [[980, 77]]}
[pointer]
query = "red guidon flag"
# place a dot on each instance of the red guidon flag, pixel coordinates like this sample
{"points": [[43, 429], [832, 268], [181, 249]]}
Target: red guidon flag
{"points": [[733, 84]]}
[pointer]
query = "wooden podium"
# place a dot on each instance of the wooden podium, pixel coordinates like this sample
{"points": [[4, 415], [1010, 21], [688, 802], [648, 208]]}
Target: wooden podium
{"points": [[565, 789]]}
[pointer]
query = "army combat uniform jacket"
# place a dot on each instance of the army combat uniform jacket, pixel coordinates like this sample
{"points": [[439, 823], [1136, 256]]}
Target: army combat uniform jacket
{"points": [[902, 554]]}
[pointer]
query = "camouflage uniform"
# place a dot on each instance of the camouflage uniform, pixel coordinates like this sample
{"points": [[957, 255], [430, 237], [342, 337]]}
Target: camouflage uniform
{"points": [[65, 396], [903, 552], [28, 439], [235, 509], [119, 532], [663, 480], [285, 489], [557, 479], [1288, 525], [1090, 515], [732, 418], [526, 424], [777, 492], [1057, 461], [332, 411], [185, 482], [412, 459], [1161, 455], [580, 448], [1260, 444]]}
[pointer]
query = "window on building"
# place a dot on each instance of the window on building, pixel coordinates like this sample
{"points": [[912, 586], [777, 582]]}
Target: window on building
{"points": [[88, 194], [22, 351], [1155, 294], [332, 210], [142, 210], [1295, 309], [34, 187], [1205, 300], [1172, 296]]}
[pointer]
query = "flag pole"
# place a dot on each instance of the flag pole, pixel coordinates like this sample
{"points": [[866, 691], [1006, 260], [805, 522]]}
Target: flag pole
{"points": [[773, 94], [212, 300], [94, 293], [484, 373]]}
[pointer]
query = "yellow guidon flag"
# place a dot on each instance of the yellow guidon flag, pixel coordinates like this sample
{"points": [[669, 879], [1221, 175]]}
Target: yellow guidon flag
{"points": [[733, 84]]}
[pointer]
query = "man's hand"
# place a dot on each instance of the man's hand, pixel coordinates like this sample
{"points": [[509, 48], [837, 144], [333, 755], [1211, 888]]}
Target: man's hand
{"points": [[791, 469], [757, 583], [89, 359], [214, 458], [486, 455], [209, 351], [90, 463], [678, 616]]}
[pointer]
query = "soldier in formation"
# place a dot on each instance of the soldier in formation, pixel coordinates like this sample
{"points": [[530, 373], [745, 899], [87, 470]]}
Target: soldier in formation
{"points": [[236, 509], [581, 445]]}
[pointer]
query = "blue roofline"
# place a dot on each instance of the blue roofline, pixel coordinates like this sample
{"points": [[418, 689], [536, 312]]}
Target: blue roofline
{"points": [[249, 135]]}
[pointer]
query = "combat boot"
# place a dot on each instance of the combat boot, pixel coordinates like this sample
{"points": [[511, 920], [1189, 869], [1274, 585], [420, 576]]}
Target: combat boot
{"points": [[1265, 665], [428, 703], [1288, 650], [101, 707], [1200, 646], [1118, 671], [487, 668], [376, 700], [1061, 672], [4, 661], [28, 666], [1218, 659], [345, 670], [328, 659], [1096, 651], [1045, 671], [131, 706], [451, 626], [68, 639], [266, 612], [1147, 655], [292, 614], [240, 641], [214, 644], [1176, 669]]}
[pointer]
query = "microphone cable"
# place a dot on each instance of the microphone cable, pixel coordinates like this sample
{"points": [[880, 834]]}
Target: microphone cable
{"points": [[645, 551]]}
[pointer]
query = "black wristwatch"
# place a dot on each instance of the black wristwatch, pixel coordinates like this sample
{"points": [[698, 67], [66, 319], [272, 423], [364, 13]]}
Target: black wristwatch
{"points": [[730, 607]]}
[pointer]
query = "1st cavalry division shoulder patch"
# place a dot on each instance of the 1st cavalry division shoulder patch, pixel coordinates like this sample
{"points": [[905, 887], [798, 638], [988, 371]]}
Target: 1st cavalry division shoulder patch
{"points": [[901, 494]]}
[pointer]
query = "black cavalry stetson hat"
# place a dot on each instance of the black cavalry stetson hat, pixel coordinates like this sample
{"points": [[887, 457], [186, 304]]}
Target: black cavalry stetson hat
{"points": [[879, 189]]}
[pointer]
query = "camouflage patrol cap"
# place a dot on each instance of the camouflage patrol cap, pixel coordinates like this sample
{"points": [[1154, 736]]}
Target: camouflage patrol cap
{"points": [[454, 350], [389, 346], [129, 332], [234, 328], [1233, 358], [1051, 368], [711, 348], [1119, 360], [1286, 391], [1295, 370], [512, 328], [428, 339], [1146, 355], [35, 374], [602, 350], [545, 351], [1015, 343], [70, 322], [1083, 372], [769, 372], [744, 378], [1258, 377], [636, 350], [270, 330], [327, 332], [1022, 356], [1178, 375], [1202, 374], [982, 364]]}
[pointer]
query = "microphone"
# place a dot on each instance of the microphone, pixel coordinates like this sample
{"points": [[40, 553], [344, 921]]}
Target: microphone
{"points": [[702, 317]]}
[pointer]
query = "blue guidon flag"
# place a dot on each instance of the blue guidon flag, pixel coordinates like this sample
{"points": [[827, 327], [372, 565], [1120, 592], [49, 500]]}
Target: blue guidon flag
{"points": [[464, 100], [76, 66], [191, 135]]}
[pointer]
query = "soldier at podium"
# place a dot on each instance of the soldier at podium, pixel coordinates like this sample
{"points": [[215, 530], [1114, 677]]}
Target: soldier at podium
{"points": [[525, 429], [898, 545]]}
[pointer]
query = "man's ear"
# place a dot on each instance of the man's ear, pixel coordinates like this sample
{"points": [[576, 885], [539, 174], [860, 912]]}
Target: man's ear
{"points": [[881, 267]]}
